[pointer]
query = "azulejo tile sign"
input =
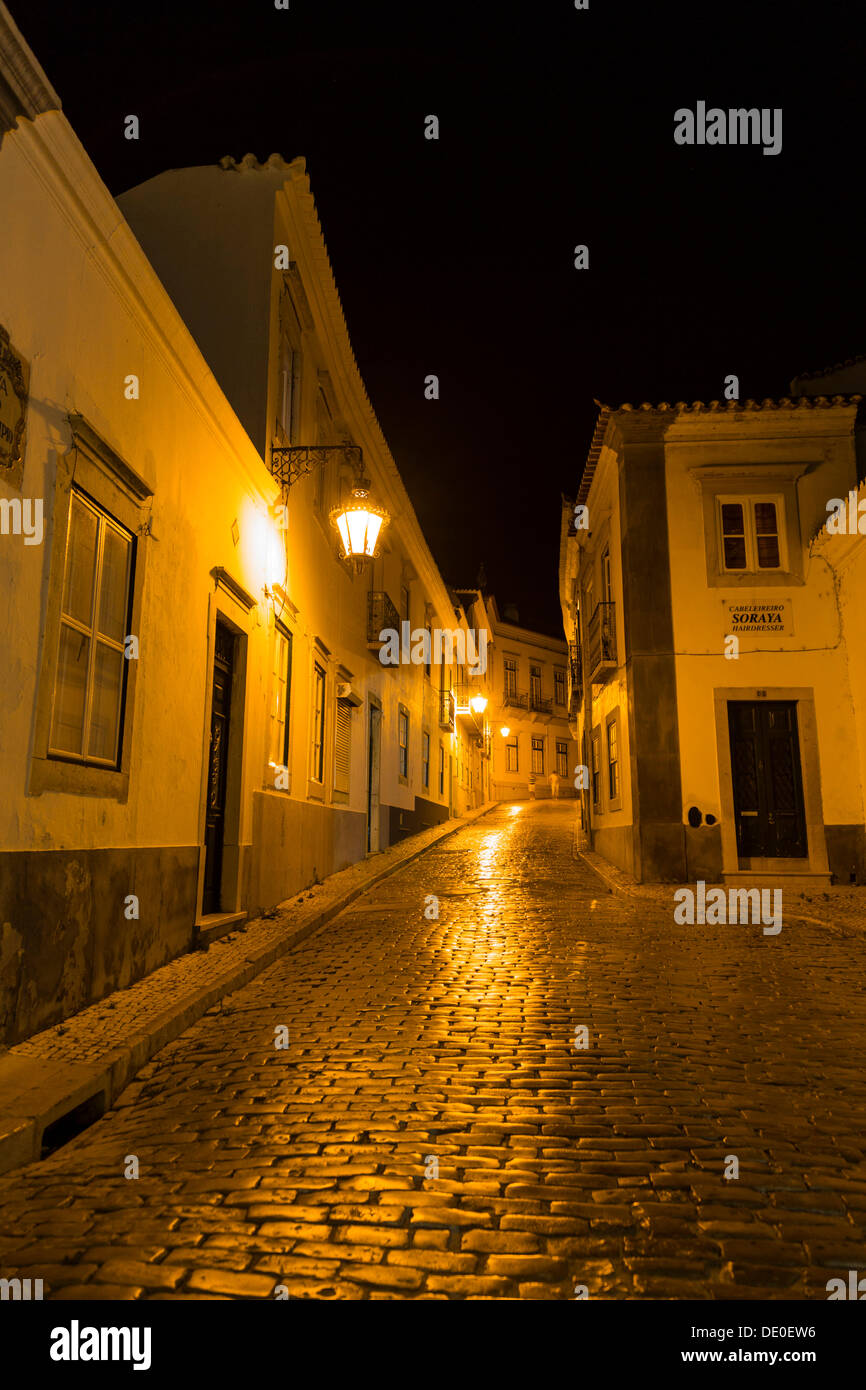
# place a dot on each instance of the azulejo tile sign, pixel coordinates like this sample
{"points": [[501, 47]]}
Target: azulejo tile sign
{"points": [[760, 619], [13, 405]]}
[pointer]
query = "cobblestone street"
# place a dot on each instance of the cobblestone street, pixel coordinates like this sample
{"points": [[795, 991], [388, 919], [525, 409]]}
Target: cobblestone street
{"points": [[454, 1039]]}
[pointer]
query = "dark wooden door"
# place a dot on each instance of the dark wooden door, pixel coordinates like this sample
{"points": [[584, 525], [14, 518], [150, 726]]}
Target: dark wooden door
{"points": [[223, 666], [768, 787]]}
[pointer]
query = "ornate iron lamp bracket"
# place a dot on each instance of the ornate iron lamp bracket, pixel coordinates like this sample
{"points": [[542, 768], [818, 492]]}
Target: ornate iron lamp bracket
{"points": [[290, 464]]}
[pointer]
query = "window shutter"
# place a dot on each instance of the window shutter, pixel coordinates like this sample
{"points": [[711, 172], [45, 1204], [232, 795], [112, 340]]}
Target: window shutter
{"points": [[343, 746]]}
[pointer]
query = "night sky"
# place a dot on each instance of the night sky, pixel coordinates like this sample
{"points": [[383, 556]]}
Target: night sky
{"points": [[456, 257]]}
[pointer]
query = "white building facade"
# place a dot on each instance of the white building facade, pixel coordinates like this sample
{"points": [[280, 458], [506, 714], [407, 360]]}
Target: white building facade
{"points": [[194, 719], [715, 706]]}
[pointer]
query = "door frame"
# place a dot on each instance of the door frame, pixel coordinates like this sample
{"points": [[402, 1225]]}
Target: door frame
{"points": [[223, 607], [374, 771], [816, 861]]}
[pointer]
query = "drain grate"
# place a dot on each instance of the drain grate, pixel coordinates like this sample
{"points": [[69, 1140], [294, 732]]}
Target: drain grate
{"points": [[64, 1129]]}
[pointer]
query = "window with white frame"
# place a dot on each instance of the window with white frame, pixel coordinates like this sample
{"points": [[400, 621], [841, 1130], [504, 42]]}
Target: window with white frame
{"points": [[425, 759], [317, 749], [559, 686], [538, 756], [596, 768], [511, 759], [289, 385], [403, 741], [280, 698], [87, 707], [511, 675], [562, 757], [751, 533], [324, 434], [612, 759], [441, 770]]}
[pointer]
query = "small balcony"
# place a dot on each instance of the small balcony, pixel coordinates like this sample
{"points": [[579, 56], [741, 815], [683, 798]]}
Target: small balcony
{"points": [[601, 641], [539, 703], [516, 699], [381, 616], [447, 706], [575, 679]]}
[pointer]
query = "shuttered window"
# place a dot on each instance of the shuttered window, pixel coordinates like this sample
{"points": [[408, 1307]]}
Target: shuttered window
{"points": [[280, 687], [343, 748]]}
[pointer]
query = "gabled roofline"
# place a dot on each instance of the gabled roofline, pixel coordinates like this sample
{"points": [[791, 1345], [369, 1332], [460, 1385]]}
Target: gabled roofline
{"points": [[57, 158], [735, 407], [831, 370], [604, 414], [719, 408], [298, 206], [24, 86]]}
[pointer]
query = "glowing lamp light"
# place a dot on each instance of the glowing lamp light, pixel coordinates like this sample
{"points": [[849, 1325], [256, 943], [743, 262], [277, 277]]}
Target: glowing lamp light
{"points": [[359, 523], [478, 704], [505, 731]]}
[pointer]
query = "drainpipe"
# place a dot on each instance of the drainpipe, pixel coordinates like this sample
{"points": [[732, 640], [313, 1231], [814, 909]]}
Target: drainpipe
{"points": [[586, 705]]}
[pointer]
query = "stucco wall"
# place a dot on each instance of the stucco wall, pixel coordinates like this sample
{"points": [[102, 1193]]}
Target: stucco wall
{"points": [[815, 655]]}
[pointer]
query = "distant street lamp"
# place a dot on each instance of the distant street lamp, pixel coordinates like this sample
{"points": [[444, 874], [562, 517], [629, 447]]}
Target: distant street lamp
{"points": [[505, 731], [478, 704]]}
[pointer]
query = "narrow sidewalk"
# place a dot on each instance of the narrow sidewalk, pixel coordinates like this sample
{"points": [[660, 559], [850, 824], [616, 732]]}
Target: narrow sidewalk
{"points": [[840, 908], [71, 1073]]}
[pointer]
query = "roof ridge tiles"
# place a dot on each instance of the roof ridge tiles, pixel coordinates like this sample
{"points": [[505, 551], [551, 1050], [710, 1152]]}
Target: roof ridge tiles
{"points": [[750, 404]]}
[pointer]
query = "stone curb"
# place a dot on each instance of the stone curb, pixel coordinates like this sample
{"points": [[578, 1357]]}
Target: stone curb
{"points": [[617, 882], [36, 1091]]}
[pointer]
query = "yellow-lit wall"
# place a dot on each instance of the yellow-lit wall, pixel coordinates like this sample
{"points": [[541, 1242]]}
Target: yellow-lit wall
{"points": [[815, 655]]}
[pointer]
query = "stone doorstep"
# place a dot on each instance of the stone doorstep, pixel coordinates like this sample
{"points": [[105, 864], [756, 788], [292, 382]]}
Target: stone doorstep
{"points": [[793, 880], [36, 1091], [218, 924], [618, 881]]}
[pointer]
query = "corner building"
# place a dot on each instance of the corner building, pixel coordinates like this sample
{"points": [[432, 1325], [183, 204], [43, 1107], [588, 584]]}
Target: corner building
{"points": [[714, 702]]}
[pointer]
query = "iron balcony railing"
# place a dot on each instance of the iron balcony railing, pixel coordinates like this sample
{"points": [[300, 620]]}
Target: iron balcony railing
{"points": [[601, 639], [575, 678], [446, 709], [381, 616], [540, 703], [517, 700]]}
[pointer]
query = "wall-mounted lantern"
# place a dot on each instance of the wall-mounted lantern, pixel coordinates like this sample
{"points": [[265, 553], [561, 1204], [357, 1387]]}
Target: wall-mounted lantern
{"points": [[359, 521]]}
